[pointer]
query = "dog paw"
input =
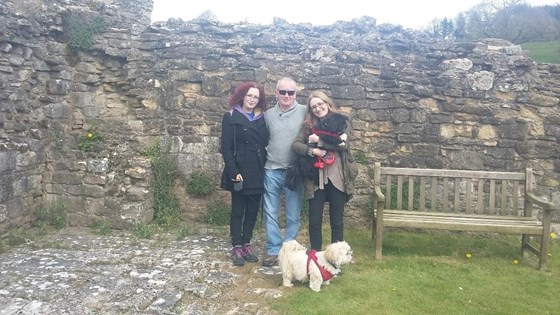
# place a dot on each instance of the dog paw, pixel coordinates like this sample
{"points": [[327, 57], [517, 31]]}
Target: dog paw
{"points": [[336, 272], [288, 284]]}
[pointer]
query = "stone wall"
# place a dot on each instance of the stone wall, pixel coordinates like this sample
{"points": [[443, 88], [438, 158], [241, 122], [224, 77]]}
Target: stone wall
{"points": [[414, 102]]}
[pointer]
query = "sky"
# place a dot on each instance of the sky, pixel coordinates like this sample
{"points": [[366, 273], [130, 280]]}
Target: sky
{"points": [[408, 13]]}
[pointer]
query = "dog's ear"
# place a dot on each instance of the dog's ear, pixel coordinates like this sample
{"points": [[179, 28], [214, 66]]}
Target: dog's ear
{"points": [[342, 122]]}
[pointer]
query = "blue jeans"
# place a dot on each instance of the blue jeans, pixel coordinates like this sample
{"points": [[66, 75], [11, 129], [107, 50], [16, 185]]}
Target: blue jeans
{"points": [[273, 188]]}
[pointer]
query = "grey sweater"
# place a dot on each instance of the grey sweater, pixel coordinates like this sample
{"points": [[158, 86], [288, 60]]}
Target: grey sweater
{"points": [[283, 127]]}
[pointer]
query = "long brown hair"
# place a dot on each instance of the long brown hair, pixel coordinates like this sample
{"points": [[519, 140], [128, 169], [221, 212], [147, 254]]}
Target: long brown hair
{"points": [[310, 118]]}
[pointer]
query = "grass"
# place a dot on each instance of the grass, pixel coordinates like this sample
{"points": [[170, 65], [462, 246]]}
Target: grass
{"points": [[430, 273], [543, 52]]}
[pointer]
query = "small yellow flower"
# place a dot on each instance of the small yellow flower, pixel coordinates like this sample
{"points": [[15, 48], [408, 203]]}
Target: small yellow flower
{"points": [[90, 135], [515, 261], [468, 255], [553, 235]]}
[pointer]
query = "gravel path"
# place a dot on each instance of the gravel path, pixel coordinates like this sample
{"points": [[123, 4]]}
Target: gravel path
{"points": [[76, 272]]}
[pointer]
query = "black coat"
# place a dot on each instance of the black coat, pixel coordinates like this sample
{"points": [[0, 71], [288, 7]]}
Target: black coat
{"points": [[246, 154]]}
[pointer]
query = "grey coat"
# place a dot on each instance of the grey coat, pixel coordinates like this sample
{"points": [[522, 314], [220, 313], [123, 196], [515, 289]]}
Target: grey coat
{"points": [[349, 169]]}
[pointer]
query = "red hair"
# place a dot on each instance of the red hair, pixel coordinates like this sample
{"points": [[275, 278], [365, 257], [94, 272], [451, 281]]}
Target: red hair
{"points": [[241, 90]]}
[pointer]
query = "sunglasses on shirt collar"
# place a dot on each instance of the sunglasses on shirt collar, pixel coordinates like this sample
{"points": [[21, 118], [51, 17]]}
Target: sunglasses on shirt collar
{"points": [[283, 92]]}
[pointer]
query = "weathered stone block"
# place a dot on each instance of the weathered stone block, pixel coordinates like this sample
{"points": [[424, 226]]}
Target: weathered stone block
{"points": [[58, 87], [98, 166], [56, 111]]}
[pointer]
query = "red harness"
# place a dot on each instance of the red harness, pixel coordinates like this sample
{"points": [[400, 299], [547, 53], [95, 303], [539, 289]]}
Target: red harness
{"points": [[311, 256], [324, 132]]}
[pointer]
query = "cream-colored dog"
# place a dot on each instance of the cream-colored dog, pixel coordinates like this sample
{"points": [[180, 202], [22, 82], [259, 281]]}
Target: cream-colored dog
{"points": [[296, 264]]}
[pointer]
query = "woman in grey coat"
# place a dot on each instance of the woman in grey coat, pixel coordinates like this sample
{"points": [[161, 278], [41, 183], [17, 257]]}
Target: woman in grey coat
{"points": [[336, 169]]}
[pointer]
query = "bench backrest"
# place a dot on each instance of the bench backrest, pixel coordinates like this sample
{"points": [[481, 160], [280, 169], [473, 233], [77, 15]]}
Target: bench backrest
{"points": [[440, 190]]}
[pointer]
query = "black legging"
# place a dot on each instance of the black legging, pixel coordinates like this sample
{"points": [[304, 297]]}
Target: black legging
{"points": [[336, 200], [244, 210]]}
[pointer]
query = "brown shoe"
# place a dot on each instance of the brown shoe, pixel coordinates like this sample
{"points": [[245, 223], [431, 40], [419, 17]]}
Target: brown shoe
{"points": [[270, 260]]}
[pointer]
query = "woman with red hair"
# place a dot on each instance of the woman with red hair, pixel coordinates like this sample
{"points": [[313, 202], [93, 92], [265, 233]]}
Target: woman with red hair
{"points": [[243, 146]]}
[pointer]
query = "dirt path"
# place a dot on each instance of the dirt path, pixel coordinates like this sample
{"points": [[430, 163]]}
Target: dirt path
{"points": [[77, 272]]}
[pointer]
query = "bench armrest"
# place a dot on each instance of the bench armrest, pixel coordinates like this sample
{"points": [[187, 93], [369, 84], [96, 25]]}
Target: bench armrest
{"points": [[380, 196], [377, 183], [546, 205]]}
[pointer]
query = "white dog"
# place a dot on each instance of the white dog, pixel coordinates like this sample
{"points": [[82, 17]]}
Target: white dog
{"points": [[296, 264]]}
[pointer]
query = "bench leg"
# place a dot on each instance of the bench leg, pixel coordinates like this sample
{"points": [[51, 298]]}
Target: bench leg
{"points": [[524, 244], [543, 259], [378, 245], [545, 241], [373, 225], [378, 238]]}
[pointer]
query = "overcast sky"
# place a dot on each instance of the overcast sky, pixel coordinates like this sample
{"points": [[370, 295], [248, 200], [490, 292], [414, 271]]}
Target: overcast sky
{"points": [[409, 13]]}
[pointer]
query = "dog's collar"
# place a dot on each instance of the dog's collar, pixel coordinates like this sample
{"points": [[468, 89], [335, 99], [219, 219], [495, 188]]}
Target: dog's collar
{"points": [[333, 264], [311, 256]]}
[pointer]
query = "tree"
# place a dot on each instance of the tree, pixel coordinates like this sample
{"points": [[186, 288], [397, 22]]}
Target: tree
{"points": [[511, 20], [460, 31], [447, 28], [441, 29]]}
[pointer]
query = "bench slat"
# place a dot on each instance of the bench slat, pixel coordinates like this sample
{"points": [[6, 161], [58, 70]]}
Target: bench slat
{"points": [[447, 220], [477, 226], [457, 192], [503, 198], [455, 215], [480, 197], [468, 197], [445, 194], [410, 192], [515, 201], [492, 197], [433, 197], [452, 173], [422, 194]]}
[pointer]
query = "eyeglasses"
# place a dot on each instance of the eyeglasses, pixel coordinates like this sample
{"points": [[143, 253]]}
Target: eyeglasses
{"points": [[319, 104], [252, 97], [283, 92]]}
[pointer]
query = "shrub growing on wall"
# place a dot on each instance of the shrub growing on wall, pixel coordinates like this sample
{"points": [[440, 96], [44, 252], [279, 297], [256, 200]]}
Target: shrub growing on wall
{"points": [[200, 184], [80, 28], [167, 208]]}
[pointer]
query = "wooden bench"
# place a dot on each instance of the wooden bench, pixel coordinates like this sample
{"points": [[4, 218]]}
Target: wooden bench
{"points": [[461, 200]]}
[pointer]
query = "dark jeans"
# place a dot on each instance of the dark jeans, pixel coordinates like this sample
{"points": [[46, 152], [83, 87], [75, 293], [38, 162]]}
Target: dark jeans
{"points": [[336, 200], [244, 210]]}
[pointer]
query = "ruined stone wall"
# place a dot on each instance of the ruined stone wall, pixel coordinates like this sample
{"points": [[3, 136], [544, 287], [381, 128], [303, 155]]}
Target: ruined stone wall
{"points": [[414, 102]]}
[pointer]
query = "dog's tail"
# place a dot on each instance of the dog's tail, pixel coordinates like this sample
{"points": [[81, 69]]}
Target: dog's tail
{"points": [[288, 247]]}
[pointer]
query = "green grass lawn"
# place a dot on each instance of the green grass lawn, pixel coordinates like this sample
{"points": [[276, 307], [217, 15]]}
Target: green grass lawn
{"points": [[543, 52], [430, 273]]}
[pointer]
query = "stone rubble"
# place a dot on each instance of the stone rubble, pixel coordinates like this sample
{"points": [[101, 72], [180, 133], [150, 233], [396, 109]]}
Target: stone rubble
{"points": [[77, 273]]}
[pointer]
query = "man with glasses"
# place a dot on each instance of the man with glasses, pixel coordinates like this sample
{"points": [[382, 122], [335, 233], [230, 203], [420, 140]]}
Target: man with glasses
{"points": [[284, 121]]}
